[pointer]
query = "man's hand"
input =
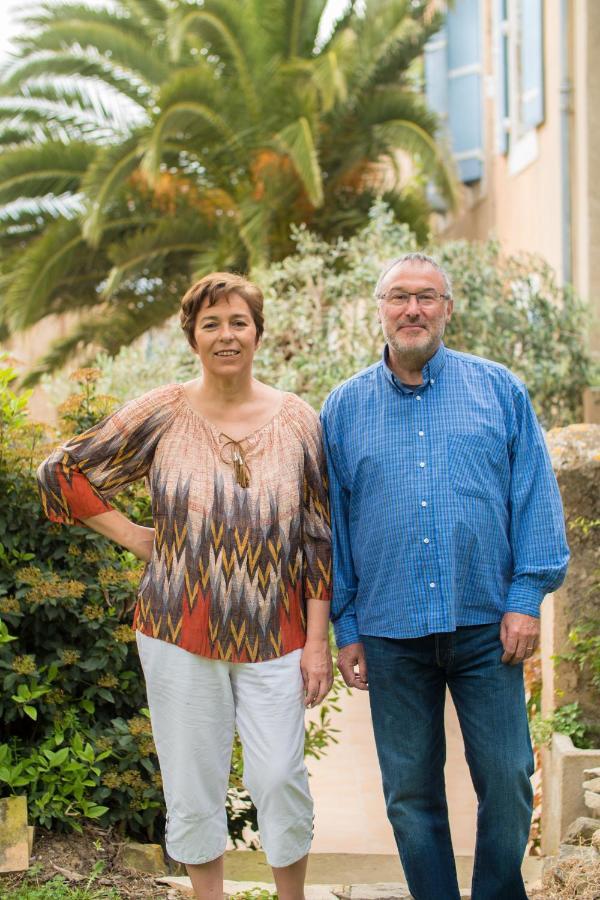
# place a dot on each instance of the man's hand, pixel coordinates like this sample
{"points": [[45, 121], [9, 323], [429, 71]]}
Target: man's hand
{"points": [[348, 658], [519, 635]]}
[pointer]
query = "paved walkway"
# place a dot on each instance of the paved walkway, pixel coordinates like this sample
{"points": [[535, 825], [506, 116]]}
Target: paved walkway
{"points": [[350, 812]]}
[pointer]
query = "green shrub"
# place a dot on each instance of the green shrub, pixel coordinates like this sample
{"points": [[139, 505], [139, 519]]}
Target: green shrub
{"points": [[321, 324], [76, 735]]}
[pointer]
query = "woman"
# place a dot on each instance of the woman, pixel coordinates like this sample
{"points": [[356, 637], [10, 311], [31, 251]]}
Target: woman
{"points": [[233, 605]]}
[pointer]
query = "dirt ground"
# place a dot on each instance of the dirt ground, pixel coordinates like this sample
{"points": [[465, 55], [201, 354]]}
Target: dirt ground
{"points": [[77, 857]]}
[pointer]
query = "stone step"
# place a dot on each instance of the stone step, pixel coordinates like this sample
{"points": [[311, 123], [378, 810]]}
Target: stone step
{"points": [[339, 876], [392, 891], [351, 868]]}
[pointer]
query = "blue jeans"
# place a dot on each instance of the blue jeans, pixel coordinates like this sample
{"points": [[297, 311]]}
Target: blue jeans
{"points": [[407, 687]]}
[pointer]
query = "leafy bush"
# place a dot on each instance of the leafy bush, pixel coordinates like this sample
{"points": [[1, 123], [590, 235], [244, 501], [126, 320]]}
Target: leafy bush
{"points": [[76, 735], [321, 323], [564, 720]]}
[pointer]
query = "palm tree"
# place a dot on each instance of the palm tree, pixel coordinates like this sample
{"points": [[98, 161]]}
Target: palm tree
{"points": [[152, 141]]}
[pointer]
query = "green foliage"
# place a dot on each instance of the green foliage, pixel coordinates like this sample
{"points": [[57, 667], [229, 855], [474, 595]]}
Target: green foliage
{"points": [[565, 720], [146, 142], [76, 735], [58, 889], [321, 323], [254, 894], [584, 653]]}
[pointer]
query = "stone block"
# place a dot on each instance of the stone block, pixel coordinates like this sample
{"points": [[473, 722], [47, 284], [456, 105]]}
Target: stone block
{"points": [[14, 839], [374, 892], [596, 840], [591, 405], [563, 766], [580, 831], [592, 773], [568, 851], [180, 882], [592, 785], [592, 801], [143, 858], [30, 837]]}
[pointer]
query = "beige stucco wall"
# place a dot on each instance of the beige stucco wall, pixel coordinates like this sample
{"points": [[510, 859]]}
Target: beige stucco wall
{"points": [[523, 209], [586, 157], [25, 349]]}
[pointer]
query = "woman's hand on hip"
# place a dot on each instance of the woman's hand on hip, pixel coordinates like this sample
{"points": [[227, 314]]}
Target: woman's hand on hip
{"points": [[142, 542], [317, 670]]}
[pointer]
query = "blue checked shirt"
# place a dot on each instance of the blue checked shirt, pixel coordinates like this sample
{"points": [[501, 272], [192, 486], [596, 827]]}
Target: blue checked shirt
{"points": [[445, 508]]}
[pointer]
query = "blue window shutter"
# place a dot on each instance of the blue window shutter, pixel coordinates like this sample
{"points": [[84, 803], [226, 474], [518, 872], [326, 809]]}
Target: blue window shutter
{"points": [[436, 74], [532, 63], [465, 102], [502, 70]]}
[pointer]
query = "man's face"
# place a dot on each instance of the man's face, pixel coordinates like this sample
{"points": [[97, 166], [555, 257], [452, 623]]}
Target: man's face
{"points": [[413, 330]]}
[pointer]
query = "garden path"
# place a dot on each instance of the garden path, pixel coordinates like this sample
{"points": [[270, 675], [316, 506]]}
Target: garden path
{"points": [[350, 814]]}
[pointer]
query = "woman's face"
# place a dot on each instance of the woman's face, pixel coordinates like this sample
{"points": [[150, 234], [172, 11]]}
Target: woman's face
{"points": [[225, 336]]}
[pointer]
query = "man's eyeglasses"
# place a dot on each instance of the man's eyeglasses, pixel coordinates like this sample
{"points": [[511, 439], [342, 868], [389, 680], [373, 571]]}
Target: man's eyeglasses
{"points": [[425, 299]]}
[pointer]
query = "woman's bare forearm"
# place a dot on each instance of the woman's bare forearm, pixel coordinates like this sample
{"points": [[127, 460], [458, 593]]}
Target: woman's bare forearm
{"points": [[118, 528], [317, 620]]}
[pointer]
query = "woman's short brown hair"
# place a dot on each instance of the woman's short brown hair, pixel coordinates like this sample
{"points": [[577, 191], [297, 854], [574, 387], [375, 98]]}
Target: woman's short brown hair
{"points": [[209, 291]]}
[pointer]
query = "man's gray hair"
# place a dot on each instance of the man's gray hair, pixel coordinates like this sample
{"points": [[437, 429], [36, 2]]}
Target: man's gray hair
{"points": [[414, 257]]}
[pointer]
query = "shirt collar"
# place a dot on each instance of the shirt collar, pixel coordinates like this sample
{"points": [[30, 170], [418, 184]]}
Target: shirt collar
{"points": [[430, 372]]}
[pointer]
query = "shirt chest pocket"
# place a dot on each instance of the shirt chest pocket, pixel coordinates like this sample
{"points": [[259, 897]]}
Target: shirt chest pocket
{"points": [[478, 465]]}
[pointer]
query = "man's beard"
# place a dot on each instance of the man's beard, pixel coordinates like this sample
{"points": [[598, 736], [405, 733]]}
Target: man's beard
{"points": [[414, 353]]}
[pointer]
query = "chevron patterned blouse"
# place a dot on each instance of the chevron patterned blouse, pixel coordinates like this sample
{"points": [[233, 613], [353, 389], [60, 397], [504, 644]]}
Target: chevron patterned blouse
{"points": [[232, 567]]}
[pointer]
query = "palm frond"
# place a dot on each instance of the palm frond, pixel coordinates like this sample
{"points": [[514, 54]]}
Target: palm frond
{"points": [[330, 79], [409, 136], [104, 178], [304, 17], [50, 168], [51, 13], [45, 261], [90, 96], [195, 120], [296, 141], [133, 256], [209, 24], [121, 49], [57, 121], [153, 10], [47, 64], [108, 328]]}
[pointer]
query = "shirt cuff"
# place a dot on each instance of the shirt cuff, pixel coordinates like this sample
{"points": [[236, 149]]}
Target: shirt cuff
{"points": [[525, 596], [346, 631]]}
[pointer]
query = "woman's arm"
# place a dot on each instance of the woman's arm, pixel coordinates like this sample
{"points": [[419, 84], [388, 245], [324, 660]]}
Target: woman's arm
{"points": [[118, 528], [316, 664]]}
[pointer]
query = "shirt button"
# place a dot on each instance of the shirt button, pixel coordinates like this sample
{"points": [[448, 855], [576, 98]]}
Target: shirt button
{"points": [[421, 433], [418, 397], [423, 502], [425, 540], [432, 584], [432, 381], [422, 465]]}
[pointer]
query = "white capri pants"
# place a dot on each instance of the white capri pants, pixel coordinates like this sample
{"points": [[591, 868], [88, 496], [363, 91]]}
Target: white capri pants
{"points": [[195, 706]]}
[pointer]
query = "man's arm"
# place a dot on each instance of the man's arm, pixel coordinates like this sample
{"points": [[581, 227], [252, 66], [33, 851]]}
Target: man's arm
{"points": [[537, 533], [343, 613]]}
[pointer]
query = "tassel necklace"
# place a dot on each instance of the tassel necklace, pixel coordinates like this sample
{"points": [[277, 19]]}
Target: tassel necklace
{"points": [[237, 460]]}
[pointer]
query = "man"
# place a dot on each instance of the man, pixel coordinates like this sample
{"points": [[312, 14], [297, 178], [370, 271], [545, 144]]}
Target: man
{"points": [[448, 531]]}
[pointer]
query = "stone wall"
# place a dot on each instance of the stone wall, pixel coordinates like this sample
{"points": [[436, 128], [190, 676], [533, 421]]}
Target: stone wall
{"points": [[575, 453]]}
